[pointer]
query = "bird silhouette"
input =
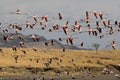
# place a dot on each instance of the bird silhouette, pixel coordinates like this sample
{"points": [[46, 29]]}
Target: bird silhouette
{"points": [[87, 17], [60, 16]]}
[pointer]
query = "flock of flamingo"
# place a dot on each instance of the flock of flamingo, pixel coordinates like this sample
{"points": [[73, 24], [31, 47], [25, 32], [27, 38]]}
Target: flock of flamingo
{"points": [[95, 24]]}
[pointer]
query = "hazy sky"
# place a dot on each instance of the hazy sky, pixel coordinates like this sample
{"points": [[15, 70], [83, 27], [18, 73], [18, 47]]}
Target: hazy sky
{"points": [[70, 8], [66, 6]]}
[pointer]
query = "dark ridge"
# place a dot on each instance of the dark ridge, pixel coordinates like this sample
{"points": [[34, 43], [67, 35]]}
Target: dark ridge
{"points": [[30, 43]]}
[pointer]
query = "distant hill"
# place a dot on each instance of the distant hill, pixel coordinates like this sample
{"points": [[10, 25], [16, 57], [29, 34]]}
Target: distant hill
{"points": [[29, 42]]}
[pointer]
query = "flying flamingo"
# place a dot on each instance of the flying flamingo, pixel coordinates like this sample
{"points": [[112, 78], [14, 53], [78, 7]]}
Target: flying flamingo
{"points": [[56, 27], [111, 31], [43, 18], [87, 17], [118, 27], [101, 15], [95, 14], [27, 24], [32, 25], [98, 27], [65, 29], [97, 23], [82, 44], [46, 18], [79, 29], [113, 44], [90, 30], [70, 39], [116, 22], [35, 38], [6, 38], [76, 24], [60, 16], [21, 44], [14, 48], [35, 18], [5, 30], [104, 22], [18, 12], [109, 23]]}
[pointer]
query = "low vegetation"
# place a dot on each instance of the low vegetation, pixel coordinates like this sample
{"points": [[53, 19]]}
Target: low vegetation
{"points": [[27, 61]]}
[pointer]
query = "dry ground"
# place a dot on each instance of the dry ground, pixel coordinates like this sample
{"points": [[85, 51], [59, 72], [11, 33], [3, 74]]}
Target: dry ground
{"points": [[53, 61]]}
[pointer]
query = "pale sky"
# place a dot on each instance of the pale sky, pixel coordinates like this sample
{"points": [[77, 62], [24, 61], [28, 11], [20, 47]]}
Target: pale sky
{"points": [[66, 6], [70, 8]]}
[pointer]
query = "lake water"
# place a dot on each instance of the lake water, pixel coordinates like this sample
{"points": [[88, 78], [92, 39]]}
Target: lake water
{"points": [[72, 10]]}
